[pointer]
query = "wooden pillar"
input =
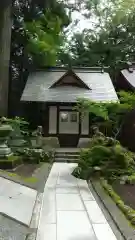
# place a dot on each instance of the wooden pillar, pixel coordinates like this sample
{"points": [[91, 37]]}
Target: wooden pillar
{"points": [[58, 112], [5, 40], [80, 123]]}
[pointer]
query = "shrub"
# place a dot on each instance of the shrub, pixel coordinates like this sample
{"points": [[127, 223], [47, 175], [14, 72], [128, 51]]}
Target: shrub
{"points": [[100, 139], [99, 155], [131, 179], [108, 155], [32, 155], [121, 157]]}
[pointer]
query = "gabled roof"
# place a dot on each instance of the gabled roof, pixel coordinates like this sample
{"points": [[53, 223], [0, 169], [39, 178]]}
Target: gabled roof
{"points": [[76, 79], [39, 86], [129, 75]]}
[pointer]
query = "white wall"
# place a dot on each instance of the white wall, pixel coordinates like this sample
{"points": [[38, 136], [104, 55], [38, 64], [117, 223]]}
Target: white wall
{"points": [[53, 120], [69, 127], [85, 124]]}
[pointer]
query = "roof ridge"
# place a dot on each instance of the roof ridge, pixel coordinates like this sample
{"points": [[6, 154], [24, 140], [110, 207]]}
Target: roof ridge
{"points": [[65, 69]]}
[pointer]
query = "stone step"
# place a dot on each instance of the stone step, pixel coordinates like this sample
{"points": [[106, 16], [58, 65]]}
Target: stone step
{"points": [[67, 160], [68, 153], [57, 155]]}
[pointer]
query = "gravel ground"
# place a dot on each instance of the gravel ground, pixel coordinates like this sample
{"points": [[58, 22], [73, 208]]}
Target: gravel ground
{"points": [[126, 192], [11, 230]]}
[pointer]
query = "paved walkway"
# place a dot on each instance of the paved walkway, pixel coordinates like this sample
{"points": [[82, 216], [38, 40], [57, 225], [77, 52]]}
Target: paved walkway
{"points": [[69, 210]]}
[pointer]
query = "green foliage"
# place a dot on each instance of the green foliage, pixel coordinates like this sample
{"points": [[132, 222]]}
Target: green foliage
{"points": [[127, 99], [108, 116], [128, 211], [37, 34], [19, 125], [99, 109], [32, 155], [108, 41], [130, 179], [44, 38], [108, 155], [39, 30]]}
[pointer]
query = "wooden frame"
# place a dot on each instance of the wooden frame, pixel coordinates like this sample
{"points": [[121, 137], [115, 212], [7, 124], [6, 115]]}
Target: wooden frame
{"points": [[71, 73], [72, 138], [57, 119]]}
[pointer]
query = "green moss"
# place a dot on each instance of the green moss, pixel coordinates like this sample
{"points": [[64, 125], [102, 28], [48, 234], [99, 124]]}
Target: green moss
{"points": [[11, 174], [30, 180], [12, 158], [10, 162], [128, 211], [14, 175]]}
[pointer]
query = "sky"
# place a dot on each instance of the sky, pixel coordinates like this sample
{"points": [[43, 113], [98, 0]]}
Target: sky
{"points": [[83, 22], [76, 15]]}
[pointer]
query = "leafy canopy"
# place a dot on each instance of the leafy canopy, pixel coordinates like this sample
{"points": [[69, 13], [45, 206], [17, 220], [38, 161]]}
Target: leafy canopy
{"points": [[109, 38], [108, 116]]}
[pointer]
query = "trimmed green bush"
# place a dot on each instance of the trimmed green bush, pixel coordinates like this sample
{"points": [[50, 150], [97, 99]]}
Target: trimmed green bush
{"points": [[108, 155], [35, 155]]}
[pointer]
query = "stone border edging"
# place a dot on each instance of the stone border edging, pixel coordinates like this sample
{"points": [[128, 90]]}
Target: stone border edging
{"points": [[118, 217], [35, 217]]}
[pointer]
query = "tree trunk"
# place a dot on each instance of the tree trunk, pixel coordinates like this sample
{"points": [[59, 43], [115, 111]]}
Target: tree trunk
{"points": [[5, 40]]}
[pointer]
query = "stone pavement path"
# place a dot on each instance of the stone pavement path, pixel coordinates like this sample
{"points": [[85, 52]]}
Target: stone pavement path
{"points": [[69, 210]]}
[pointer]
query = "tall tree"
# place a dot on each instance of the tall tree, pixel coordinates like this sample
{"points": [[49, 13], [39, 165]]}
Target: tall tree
{"points": [[108, 41], [37, 33], [5, 38]]}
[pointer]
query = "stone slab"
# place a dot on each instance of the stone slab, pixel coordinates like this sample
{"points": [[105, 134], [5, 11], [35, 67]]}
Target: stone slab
{"points": [[48, 214], [74, 225], [94, 212], [85, 191], [70, 210], [104, 232], [17, 201], [69, 202], [48, 232]]}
